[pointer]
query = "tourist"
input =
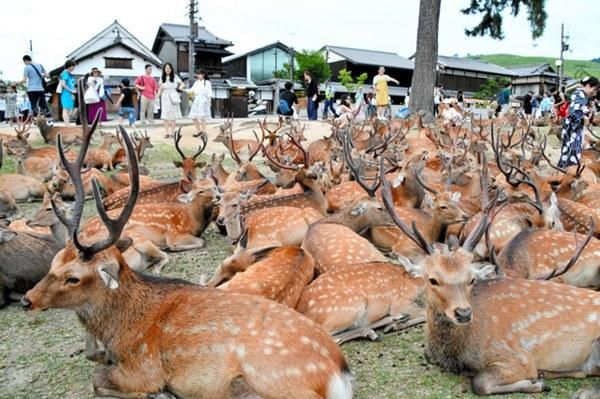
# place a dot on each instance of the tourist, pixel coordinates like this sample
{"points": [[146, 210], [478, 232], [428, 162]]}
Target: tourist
{"points": [[460, 100], [345, 111], [545, 105], [34, 75], [504, 98], [329, 100], [200, 110], [528, 105], [287, 99], [312, 92], [380, 85], [170, 99], [573, 124], [12, 110], [125, 103], [96, 81], [148, 89], [69, 91]]}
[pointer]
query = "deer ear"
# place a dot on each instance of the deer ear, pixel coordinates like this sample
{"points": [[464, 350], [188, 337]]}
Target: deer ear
{"points": [[200, 164], [483, 271], [109, 273], [186, 198], [6, 236], [398, 181], [178, 164], [414, 269], [456, 196]]}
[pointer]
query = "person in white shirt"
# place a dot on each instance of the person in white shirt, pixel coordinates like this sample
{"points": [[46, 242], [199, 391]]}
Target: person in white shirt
{"points": [[200, 110]]}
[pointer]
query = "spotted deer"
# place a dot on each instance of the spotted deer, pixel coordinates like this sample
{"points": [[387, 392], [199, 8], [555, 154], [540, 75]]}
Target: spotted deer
{"points": [[189, 164], [240, 340], [38, 168], [353, 300], [235, 146], [21, 188], [281, 276], [69, 134], [506, 332]]}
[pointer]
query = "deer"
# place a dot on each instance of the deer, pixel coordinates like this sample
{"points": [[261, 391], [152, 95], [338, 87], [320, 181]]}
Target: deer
{"points": [[61, 182], [22, 131], [234, 147], [189, 164], [334, 240], [481, 325], [38, 168], [69, 134], [101, 157], [142, 143], [299, 359], [21, 188], [8, 206], [280, 276], [353, 300]]}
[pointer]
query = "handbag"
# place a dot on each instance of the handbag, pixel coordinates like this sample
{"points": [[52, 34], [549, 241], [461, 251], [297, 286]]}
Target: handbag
{"points": [[175, 98], [59, 88], [91, 96]]}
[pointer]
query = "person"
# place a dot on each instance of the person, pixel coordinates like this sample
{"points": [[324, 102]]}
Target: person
{"points": [[25, 107], [2, 108], [504, 98], [96, 80], [545, 105], [329, 100], [312, 92], [460, 99], [125, 103], [527, 105], [148, 89], [380, 85], [12, 111], [345, 111], [168, 92], [34, 75], [371, 105], [69, 91], [407, 98], [289, 98], [573, 124], [200, 110], [561, 105]]}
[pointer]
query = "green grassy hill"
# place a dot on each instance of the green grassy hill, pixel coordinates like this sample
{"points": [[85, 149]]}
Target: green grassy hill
{"points": [[573, 68]]}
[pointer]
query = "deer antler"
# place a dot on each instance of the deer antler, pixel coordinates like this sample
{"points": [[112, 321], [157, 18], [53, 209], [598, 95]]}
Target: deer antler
{"points": [[414, 234], [23, 126], [424, 185], [259, 142], [354, 169], [543, 150], [114, 226], [204, 137]]}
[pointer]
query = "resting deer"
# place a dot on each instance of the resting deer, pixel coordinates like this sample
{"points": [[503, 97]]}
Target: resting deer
{"points": [[235, 147], [38, 168], [21, 188], [268, 348], [69, 134], [506, 332], [352, 300], [281, 276]]}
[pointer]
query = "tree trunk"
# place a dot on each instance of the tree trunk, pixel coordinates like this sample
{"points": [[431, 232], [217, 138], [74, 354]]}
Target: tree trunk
{"points": [[424, 76]]}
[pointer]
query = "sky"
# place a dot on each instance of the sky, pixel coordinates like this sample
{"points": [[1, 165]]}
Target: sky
{"points": [[57, 28]]}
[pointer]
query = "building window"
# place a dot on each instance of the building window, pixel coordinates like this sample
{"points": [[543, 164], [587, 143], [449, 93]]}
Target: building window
{"points": [[118, 63]]}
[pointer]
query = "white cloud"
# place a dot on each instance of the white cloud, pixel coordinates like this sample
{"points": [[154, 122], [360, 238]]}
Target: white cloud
{"points": [[59, 27]]}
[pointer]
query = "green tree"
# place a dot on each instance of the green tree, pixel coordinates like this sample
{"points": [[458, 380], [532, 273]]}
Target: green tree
{"points": [[490, 89], [313, 61], [346, 79], [491, 24]]}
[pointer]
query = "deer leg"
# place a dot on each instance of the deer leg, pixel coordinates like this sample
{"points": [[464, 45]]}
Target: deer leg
{"points": [[93, 352], [183, 242], [114, 382], [404, 324], [366, 331], [507, 378], [151, 256]]}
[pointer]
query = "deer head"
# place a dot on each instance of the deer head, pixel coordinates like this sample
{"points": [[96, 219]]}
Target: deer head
{"points": [[81, 270], [190, 164]]}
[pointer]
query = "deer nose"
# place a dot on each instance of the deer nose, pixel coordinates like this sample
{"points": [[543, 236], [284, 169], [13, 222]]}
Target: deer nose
{"points": [[25, 303], [221, 221], [463, 315]]}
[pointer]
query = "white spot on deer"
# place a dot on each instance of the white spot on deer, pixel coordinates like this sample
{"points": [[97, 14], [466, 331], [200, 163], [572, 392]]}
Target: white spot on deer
{"points": [[305, 340], [284, 352], [268, 341], [311, 367], [596, 301], [592, 318], [254, 333], [293, 372], [240, 351], [267, 351], [248, 369]]}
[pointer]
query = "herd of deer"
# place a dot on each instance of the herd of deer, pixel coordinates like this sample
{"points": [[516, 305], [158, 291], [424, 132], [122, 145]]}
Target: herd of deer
{"points": [[379, 225]]}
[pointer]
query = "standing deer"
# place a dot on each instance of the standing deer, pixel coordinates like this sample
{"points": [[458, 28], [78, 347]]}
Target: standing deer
{"points": [[101, 157], [269, 349]]}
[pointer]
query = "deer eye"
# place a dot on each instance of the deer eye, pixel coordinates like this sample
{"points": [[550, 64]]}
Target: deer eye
{"points": [[433, 281], [443, 207], [72, 281], [472, 281]]}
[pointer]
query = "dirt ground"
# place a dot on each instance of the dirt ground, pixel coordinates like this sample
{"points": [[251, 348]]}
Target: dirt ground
{"points": [[40, 352]]}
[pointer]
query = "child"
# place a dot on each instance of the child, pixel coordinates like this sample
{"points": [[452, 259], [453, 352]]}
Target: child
{"points": [[25, 108], [12, 111], [125, 102]]}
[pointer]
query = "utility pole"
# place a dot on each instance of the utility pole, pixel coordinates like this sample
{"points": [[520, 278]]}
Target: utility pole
{"points": [[193, 33], [564, 46]]}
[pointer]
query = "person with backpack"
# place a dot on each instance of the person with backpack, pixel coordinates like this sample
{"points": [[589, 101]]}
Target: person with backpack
{"points": [[34, 75], [287, 99]]}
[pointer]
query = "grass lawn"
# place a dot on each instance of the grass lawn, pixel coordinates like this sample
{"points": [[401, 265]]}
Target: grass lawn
{"points": [[572, 68]]}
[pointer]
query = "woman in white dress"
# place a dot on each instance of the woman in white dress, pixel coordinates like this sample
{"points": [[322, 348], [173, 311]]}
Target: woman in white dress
{"points": [[170, 99], [200, 111]]}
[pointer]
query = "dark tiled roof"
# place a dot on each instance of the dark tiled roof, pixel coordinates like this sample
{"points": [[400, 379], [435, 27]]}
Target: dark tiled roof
{"points": [[533, 70], [468, 64], [371, 57], [182, 33]]}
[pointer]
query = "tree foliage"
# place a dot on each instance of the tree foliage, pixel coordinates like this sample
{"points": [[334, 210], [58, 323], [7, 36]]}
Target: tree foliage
{"points": [[492, 10], [346, 79], [490, 89], [313, 61]]}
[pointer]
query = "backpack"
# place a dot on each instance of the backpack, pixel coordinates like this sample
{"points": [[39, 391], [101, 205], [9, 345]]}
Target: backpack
{"points": [[284, 107]]}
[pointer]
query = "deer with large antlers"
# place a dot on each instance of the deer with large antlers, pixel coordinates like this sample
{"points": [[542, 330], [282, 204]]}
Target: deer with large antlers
{"points": [[482, 327], [295, 360]]}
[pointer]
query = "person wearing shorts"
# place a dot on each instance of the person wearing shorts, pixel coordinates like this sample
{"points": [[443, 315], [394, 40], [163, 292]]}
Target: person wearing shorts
{"points": [[125, 103]]}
